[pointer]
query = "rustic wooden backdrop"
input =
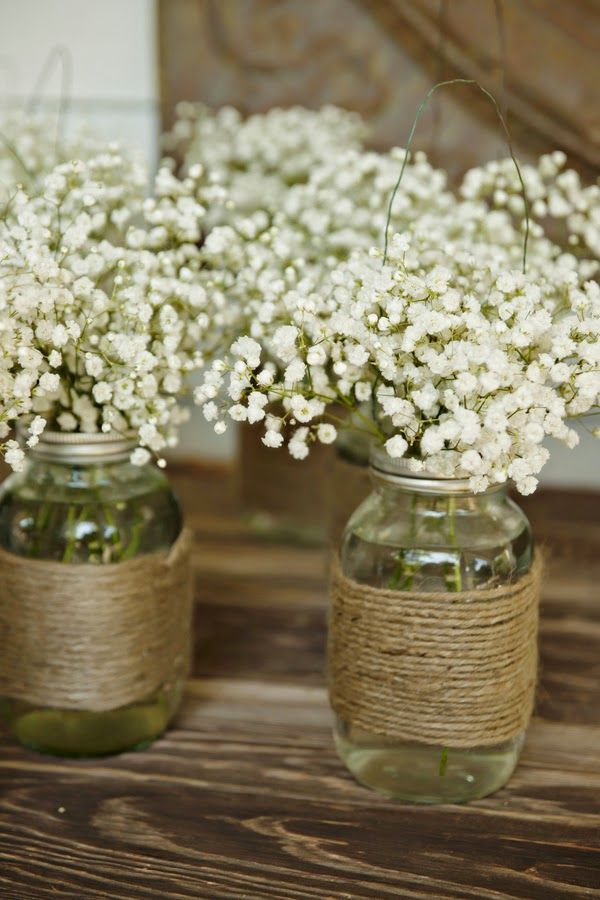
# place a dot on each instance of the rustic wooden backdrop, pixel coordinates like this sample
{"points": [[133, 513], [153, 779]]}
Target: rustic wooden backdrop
{"points": [[540, 57]]}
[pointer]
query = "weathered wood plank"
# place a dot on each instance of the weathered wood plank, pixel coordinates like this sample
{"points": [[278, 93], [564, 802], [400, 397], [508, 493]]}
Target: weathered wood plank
{"points": [[291, 818]]}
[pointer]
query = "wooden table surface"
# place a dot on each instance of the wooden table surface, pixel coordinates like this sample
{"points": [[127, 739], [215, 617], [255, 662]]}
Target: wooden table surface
{"points": [[245, 798]]}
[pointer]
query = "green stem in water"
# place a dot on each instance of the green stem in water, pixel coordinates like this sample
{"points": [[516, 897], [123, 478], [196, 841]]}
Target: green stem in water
{"points": [[136, 535], [403, 575], [42, 518], [70, 535], [115, 543], [454, 580]]}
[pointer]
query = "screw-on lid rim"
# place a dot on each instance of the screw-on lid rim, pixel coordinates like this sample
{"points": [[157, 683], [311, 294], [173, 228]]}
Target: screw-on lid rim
{"points": [[399, 472], [81, 448]]}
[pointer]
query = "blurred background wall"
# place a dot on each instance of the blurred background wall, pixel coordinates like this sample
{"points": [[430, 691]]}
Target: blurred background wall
{"points": [[113, 48], [133, 60], [539, 57]]}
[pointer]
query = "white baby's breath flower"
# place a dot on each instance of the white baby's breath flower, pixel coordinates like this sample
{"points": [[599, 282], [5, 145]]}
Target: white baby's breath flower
{"points": [[102, 392], [238, 412], [272, 438], [326, 433], [14, 456], [298, 449], [210, 411], [49, 382], [66, 421], [140, 456], [301, 408], [37, 425], [396, 446]]}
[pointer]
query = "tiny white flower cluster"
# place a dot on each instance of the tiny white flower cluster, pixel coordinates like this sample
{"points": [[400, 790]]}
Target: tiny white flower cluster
{"points": [[258, 158], [109, 301], [553, 193], [261, 262], [32, 145], [467, 363], [102, 306]]}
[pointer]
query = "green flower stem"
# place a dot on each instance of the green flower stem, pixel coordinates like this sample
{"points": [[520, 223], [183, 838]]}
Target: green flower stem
{"points": [[455, 579], [114, 545], [136, 534], [403, 575], [41, 522], [70, 535]]}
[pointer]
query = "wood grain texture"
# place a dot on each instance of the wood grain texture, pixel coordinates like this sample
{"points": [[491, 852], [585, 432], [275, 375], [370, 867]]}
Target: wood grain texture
{"points": [[380, 57], [245, 798]]}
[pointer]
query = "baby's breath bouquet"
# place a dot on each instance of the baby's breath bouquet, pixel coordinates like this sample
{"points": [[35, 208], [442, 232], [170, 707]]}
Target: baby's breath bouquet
{"points": [[102, 311], [101, 301], [269, 266], [451, 329], [33, 144], [260, 157], [467, 362]]}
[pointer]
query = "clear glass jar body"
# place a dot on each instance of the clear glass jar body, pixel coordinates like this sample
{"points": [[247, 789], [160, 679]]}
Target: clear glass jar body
{"points": [[99, 513], [414, 539]]}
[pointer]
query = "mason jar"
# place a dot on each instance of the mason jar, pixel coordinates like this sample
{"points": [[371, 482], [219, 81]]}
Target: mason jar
{"points": [[431, 537], [83, 509]]}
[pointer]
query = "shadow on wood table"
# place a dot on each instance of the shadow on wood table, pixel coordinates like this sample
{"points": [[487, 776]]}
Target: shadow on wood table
{"points": [[245, 798]]}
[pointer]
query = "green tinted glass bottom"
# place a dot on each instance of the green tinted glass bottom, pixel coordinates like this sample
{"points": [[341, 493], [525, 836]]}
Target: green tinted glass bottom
{"points": [[78, 733], [421, 773]]}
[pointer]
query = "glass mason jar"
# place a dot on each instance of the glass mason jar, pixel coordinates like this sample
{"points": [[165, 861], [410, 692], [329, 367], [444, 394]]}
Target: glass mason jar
{"points": [[425, 534], [80, 500]]}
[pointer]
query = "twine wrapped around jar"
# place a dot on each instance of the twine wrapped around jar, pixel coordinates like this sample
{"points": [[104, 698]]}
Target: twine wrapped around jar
{"points": [[442, 668], [94, 637]]}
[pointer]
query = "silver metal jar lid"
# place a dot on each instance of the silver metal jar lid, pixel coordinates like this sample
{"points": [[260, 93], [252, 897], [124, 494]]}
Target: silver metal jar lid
{"points": [[78, 448], [399, 472]]}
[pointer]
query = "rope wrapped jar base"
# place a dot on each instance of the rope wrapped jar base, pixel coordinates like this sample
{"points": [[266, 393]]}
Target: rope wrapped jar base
{"points": [[94, 637], [447, 669]]}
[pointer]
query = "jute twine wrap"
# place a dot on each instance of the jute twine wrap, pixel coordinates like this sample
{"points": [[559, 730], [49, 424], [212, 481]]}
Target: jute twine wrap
{"points": [[94, 637], [451, 669], [350, 484], [271, 481]]}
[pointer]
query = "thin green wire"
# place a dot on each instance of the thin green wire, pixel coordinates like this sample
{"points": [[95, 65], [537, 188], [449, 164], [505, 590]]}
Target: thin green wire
{"points": [[420, 111]]}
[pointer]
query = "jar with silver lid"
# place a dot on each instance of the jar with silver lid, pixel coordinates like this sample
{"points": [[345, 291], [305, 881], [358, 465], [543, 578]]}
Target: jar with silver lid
{"points": [[81, 503], [423, 537]]}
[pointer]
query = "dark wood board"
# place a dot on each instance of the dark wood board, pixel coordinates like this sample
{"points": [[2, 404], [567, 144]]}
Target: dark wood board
{"points": [[245, 798]]}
